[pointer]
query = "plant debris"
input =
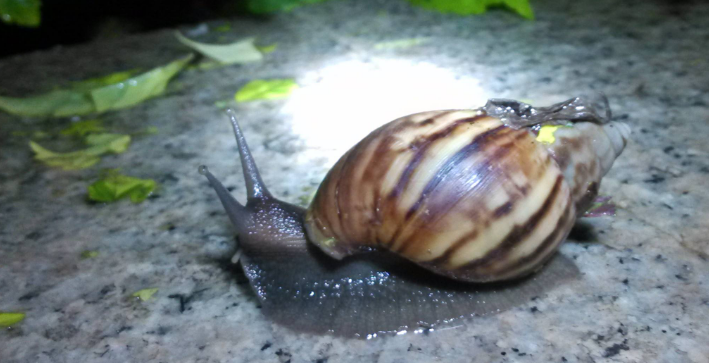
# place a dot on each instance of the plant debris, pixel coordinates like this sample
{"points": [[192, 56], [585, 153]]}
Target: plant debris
{"points": [[99, 144], [114, 186], [10, 319], [21, 12], [243, 51], [145, 294], [469, 7], [111, 92], [262, 89]]}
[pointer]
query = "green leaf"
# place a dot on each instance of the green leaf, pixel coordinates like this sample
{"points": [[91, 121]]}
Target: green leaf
{"points": [[546, 134], [468, 7], [521, 7], [115, 143], [58, 103], [10, 319], [21, 12], [137, 89], [239, 52], [223, 28], [265, 49], [270, 6], [145, 294], [208, 64], [262, 89], [83, 128], [88, 254], [99, 144], [114, 91], [150, 130], [91, 83], [115, 186]]}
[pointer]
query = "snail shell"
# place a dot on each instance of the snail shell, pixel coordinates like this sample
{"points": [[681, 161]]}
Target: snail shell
{"points": [[461, 193], [392, 183]]}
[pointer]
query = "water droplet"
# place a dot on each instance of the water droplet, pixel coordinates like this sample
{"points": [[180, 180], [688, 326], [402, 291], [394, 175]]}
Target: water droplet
{"points": [[203, 169]]}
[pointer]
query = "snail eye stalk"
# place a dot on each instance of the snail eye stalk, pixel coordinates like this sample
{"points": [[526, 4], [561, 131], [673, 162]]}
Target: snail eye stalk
{"points": [[255, 188]]}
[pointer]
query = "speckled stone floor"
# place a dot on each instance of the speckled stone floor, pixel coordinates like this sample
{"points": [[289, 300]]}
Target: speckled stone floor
{"points": [[642, 295]]}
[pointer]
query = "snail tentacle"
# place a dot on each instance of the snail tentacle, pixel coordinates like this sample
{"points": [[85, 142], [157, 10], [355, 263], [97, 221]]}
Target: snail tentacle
{"points": [[255, 188], [234, 209]]}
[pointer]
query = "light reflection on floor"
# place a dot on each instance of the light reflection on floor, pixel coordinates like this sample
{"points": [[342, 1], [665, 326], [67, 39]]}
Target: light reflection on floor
{"points": [[339, 105]]}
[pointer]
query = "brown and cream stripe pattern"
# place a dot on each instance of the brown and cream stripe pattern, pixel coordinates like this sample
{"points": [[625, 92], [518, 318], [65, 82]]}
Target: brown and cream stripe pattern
{"points": [[454, 191]]}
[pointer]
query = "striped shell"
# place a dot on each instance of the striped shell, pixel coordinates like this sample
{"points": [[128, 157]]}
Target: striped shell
{"points": [[459, 193]]}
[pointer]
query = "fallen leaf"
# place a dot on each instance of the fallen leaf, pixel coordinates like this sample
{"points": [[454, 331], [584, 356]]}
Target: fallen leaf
{"points": [[59, 103], [10, 319], [96, 94], [21, 12], [265, 49], [270, 6], [115, 186], [145, 294], [239, 52], [262, 89], [468, 7], [97, 82], [137, 89], [223, 28], [83, 128], [99, 144], [89, 254]]}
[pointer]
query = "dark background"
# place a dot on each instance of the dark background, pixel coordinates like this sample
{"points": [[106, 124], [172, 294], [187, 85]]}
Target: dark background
{"points": [[68, 22], [76, 21]]}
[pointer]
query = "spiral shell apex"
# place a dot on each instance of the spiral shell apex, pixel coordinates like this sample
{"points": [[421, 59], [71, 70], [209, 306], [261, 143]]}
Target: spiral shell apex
{"points": [[459, 193]]}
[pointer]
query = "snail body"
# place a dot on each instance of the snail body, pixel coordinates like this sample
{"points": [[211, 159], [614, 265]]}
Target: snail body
{"points": [[440, 216]]}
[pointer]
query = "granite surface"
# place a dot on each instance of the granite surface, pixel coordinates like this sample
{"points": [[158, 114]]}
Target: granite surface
{"points": [[642, 295]]}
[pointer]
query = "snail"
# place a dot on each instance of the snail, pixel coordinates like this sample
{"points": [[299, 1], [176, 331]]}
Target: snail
{"points": [[430, 219]]}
